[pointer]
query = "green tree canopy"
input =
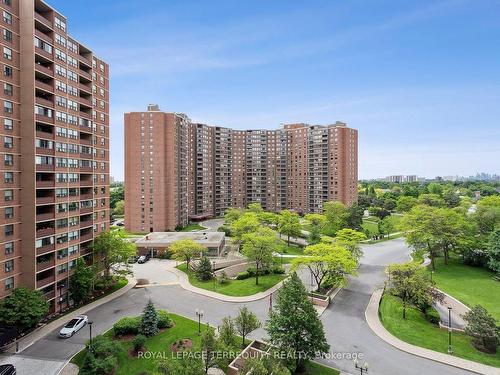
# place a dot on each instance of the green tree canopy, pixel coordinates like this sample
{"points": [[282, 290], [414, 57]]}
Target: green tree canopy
{"points": [[111, 253], [494, 251], [350, 239], [245, 323], [405, 203], [336, 215], [233, 214], [255, 207], [186, 250], [488, 213], [81, 282], [259, 248], [482, 327], [294, 326], [289, 224], [431, 200], [23, 308], [247, 223]]}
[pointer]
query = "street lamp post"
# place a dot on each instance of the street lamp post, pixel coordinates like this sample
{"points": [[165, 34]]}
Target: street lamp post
{"points": [[362, 368], [213, 270], [199, 314], [90, 322], [450, 350]]}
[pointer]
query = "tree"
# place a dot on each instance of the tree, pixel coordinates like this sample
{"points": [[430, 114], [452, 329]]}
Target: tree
{"points": [[204, 270], [102, 359], [254, 366], [259, 248], [227, 332], [354, 217], [186, 250], [233, 214], [23, 308], [435, 188], [494, 251], [268, 218], [111, 253], [406, 203], [149, 320], [482, 327], [245, 323], [387, 225], [208, 348], [411, 284], [317, 223], [247, 223], [314, 235], [336, 216], [116, 194], [289, 224], [255, 208], [294, 326], [488, 213], [431, 200], [119, 208], [81, 282], [190, 364], [451, 199], [329, 263], [379, 212], [350, 239]]}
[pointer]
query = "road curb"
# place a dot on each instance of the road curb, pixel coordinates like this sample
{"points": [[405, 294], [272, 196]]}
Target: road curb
{"points": [[373, 320]]}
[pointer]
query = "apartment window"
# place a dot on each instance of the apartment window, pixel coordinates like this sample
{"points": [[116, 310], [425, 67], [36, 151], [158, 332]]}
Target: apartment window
{"points": [[7, 35], [8, 124], [7, 89], [9, 266], [7, 71], [7, 2], [7, 53], [61, 86], [60, 40], [43, 45], [9, 248], [8, 142], [9, 283], [8, 160], [61, 101], [9, 230], [7, 17], [60, 24], [60, 71], [8, 195], [9, 212], [8, 107], [60, 55], [42, 111], [8, 177]]}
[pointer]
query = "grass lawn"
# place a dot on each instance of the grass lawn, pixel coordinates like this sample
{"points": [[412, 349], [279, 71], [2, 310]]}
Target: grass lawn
{"points": [[371, 226], [129, 365], [245, 287], [191, 227], [418, 331], [293, 250], [470, 285], [314, 368]]}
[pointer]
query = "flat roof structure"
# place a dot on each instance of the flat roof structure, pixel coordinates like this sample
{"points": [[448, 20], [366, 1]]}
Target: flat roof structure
{"points": [[210, 240]]}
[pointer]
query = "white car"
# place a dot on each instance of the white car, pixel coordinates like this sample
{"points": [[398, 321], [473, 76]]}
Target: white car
{"points": [[73, 326]]}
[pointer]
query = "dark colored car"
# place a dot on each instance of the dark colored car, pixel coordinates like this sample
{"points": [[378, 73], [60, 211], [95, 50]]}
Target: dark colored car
{"points": [[8, 370], [133, 259]]}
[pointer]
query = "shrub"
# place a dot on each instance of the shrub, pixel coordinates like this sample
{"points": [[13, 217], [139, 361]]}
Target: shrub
{"points": [[242, 275], [222, 278], [204, 269], [225, 229], [127, 326], [102, 358], [139, 342], [476, 257], [482, 328], [164, 320], [149, 320], [278, 270], [432, 316], [165, 254]]}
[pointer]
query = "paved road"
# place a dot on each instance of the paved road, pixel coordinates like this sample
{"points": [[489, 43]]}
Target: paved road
{"points": [[344, 322]]}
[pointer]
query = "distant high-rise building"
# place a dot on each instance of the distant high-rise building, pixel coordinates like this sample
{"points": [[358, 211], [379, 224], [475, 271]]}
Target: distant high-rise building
{"points": [[55, 130], [176, 170]]}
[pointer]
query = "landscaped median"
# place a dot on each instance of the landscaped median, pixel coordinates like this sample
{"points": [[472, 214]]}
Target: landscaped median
{"points": [[234, 287], [418, 336]]}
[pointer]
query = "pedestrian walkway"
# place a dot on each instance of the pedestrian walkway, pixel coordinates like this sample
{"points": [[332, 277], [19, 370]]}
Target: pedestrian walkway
{"points": [[372, 318]]}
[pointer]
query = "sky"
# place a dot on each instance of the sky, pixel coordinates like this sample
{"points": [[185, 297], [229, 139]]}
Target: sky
{"points": [[420, 80]]}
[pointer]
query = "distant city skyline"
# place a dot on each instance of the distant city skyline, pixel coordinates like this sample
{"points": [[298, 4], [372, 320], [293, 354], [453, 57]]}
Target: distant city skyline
{"points": [[396, 71]]}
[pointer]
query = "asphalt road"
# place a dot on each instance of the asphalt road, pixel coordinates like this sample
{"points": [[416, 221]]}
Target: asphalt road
{"points": [[345, 326]]}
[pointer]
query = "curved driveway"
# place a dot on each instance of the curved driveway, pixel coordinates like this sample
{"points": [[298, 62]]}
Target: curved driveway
{"points": [[344, 320]]}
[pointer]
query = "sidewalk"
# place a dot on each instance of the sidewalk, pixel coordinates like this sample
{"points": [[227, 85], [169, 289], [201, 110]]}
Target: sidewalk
{"points": [[372, 318], [36, 335]]}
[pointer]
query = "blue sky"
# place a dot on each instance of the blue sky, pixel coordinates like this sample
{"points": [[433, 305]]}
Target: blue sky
{"points": [[420, 80]]}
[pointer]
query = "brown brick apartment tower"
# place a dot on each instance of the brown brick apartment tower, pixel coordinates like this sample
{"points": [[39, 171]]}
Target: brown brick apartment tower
{"points": [[297, 167], [54, 182]]}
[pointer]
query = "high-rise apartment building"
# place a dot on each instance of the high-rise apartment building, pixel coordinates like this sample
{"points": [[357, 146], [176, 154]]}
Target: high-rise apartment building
{"points": [[54, 127], [298, 167]]}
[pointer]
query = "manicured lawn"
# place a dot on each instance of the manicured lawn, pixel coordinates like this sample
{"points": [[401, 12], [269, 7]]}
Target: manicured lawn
{"points": [[470, 285], [245, 287], [293, 250], [314, 368], [371, 226], [191, 227], [131, 365], [418, 331]]}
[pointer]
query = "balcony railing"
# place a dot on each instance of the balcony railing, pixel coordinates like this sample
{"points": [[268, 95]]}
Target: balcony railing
{"points": [[44, 69], [45, 249], [43, 20], [44, 86], [41, 183], [46, 119], [45, 216], [44, 232], [45, 265], [44, 200], [44, 102]]}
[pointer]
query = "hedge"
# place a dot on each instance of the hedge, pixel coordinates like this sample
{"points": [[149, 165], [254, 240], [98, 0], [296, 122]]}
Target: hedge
{"points": [[127, 326], [164, 320]]}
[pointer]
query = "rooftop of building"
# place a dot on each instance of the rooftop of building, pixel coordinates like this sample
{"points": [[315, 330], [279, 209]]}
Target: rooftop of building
{"points": [[164, 239]]}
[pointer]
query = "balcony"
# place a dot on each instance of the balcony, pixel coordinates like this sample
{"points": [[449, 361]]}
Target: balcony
{"points": [[44, 282], [44, 69], [45, 249], [50, 295], [86, 197], [85, 101], [43, 53], [86, 237], [46, 119], [85, 87], [44, 200], [44, 135], [85, 75], [44, 86], [44, 167], [44, 151], [43, 20], [45, 265], [86, 224], [44, 102], [45, 216], [86, 210], [85, 60], [85, 169], [45, 183], [44, 232], [84, 141]]}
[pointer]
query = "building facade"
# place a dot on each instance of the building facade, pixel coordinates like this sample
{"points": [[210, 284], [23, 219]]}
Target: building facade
{"points": [[298, 167], [54, 178]]}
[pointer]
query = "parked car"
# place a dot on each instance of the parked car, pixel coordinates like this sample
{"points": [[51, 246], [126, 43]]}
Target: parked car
{"points": [[8, 369], [120, 224], [73, 326], [142, 259]]}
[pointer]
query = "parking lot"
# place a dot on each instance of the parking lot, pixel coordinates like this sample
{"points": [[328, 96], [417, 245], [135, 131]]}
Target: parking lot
{"points": [[155, 271]]}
